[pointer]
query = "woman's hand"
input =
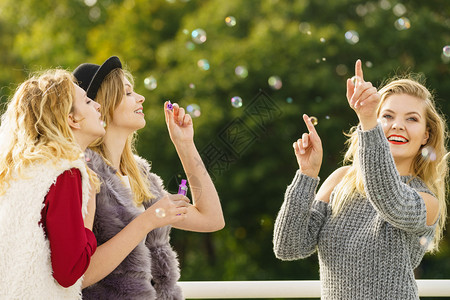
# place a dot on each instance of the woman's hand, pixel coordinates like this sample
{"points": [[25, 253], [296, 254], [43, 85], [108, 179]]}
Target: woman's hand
{"points": [[363, 98], [168, 210], [179, 124], [308, 150]]}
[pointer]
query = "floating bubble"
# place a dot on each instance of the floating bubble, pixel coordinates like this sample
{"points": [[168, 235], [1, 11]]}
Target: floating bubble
{"points": [[160, 212], [369, 64], [304, 27], [95, 13], [150, 83], [402, 23], [236, 102], [428, 153], [352, 37], [356, 80], [361, 10], [317, 60], [424, 241], [203, 64], [327, 117], [275, 82], [193, 110], [230, 21], [399, 10], [241, 71], [446, 51], [314, 120], [324, 58], [190, 46], [289, 100], [185, 31], [322, 40], [198, 36], [341, 69], [90, 2], [191, 86], [385, 4], [383, 122]]}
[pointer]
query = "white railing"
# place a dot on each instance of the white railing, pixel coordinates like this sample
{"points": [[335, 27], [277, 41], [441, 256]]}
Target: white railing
{"points": [[285, 289]]}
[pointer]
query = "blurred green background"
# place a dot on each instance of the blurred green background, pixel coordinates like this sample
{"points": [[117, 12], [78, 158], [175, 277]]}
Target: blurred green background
{"points": [[294, 56]]}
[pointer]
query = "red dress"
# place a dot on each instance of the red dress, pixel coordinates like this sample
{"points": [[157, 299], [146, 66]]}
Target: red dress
{"points": [[71, 244]]}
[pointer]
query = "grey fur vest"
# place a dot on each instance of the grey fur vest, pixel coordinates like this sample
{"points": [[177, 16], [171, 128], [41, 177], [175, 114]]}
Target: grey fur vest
{"points": [[151, 270]]}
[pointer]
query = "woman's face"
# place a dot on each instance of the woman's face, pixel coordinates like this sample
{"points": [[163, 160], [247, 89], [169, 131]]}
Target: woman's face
{"points": [[129, 113], [87, 116], [403, 118]]}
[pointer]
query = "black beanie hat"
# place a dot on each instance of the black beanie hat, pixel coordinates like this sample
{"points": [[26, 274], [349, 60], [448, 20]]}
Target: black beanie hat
{"points": [[91, 76]]}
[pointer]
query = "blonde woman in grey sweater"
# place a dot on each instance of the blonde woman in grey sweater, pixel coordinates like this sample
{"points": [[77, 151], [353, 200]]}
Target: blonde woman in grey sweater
{"points": [[372, 220]]}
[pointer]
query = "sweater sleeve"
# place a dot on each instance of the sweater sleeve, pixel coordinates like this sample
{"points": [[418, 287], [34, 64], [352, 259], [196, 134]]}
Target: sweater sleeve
{"points": [[299, 220], [395, 201], [71, 244]]}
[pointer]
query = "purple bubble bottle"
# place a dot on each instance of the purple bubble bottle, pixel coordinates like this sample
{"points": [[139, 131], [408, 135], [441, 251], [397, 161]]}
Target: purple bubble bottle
{"points": [[182, 188]]}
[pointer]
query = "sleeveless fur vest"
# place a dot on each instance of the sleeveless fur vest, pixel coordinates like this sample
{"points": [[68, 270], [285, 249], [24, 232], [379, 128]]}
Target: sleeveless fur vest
{"points": [[25, 263], [151, 270]]}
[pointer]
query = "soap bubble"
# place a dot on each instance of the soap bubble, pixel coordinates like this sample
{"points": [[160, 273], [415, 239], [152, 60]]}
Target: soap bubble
{"points": [[160, 212], [90, 2], [150, 83], [352, 37], [230, 21], [399, 10], [402, 23], [185, 31], [203, 64], [236, 102], [190, 45], [356, 80], [289, 100], [241, 71], [275, 82], [191, 86], [198, 36], [304, 27], [322, 40], [193, 110], [446, 51], [428, 153], [369, 64], [324, 58], [314, 120], [327, 117], [341, 69]]}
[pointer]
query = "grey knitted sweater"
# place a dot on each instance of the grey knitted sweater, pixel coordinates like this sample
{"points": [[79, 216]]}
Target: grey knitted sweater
{"points": [[370, 249]]}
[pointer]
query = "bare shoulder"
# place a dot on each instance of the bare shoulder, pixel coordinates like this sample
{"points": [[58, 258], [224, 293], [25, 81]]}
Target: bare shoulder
{"points": [[432, 205], [330, 183]]}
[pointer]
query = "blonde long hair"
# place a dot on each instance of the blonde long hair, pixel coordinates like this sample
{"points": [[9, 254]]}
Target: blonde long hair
{"points": [[433, 172], [35, 128], [109, 95]]}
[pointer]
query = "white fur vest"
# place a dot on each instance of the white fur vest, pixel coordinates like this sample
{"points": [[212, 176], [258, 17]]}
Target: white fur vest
{"points": [[25, 264], [151, 270]]}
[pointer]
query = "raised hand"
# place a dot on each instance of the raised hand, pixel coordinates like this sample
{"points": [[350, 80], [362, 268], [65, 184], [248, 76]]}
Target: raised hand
{"points": [[179, 124], [363, 98], [308, 150]]}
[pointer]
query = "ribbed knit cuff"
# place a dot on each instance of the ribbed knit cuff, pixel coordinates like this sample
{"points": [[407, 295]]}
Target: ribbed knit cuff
{"points": [[303, 185], [371, 138]]}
